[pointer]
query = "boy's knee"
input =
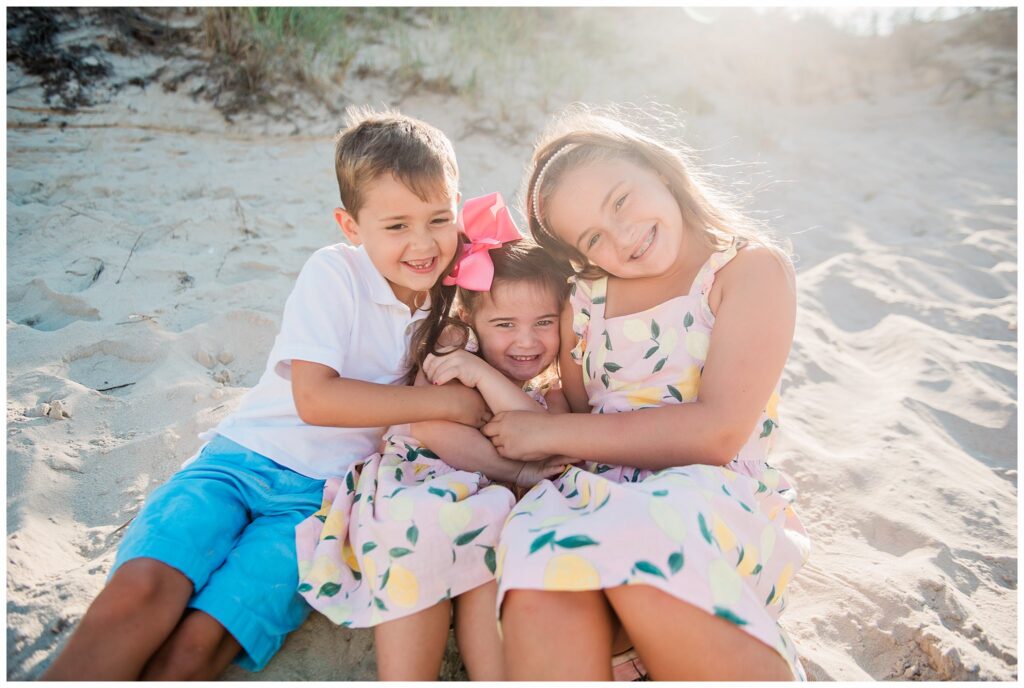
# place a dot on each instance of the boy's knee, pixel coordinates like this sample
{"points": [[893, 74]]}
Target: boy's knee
{"points": [[143, 583], [191, 653]]}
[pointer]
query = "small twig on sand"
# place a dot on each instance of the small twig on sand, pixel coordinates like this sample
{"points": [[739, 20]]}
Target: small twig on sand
{"points": [[76, 211], [246, 232], [138, 319], [108, 389], [130, 254], [122, 526], [224, 260]]}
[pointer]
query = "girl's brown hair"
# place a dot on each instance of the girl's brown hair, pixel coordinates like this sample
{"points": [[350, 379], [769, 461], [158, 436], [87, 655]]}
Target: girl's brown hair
{"points": [[581, 135], [517, 261]]}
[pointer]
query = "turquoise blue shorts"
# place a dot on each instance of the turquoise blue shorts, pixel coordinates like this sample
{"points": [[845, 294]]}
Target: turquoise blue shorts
{"points": [[227, 521]]}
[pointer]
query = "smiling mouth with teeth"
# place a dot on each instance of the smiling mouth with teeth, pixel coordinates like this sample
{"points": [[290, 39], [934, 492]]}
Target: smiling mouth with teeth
{"points": [[647, 243], [524, 359], [421, 265]]}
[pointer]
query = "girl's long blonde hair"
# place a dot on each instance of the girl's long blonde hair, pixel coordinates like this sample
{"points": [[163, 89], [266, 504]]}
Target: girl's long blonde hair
{"points": [[582, 135]]}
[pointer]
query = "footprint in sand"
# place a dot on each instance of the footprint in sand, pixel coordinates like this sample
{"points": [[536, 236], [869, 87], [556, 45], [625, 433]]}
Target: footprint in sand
{"points": [[111, 367], [44, 309]]}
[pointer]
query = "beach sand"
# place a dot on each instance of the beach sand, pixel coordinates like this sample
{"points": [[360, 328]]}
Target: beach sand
{"points": [[151, 245]]}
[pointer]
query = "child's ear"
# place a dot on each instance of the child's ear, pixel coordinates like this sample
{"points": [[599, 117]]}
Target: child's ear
{"points": [[349, 226]]}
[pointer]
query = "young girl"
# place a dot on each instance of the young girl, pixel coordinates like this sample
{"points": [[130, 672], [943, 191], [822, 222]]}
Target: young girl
{"points": [[404, 532], [676, 534]]}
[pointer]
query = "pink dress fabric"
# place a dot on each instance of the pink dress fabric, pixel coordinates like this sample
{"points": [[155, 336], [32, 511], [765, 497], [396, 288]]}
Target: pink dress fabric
{"points": [[725, 539], [400, 532]]}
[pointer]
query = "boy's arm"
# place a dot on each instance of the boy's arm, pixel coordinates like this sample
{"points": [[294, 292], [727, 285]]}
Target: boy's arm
{"points": [[322, 397]]}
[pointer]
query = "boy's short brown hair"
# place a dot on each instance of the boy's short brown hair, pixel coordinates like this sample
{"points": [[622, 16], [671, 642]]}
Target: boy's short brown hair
{"points": [[373, 143]]}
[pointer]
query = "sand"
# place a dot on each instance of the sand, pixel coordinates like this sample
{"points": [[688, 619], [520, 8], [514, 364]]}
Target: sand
{"points": [[151, 245]]}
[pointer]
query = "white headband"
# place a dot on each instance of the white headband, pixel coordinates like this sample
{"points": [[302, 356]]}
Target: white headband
{"points": [[540, 180]]}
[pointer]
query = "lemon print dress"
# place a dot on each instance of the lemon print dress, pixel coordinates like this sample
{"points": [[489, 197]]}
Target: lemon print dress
{"points": [[724, 539], [400, 532]]}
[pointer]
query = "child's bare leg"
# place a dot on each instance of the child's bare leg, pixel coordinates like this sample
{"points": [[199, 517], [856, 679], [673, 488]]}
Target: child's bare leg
{"points": [[679, 642], [557, 635], [126, 623], [198, 650], [476, 633], [411, 648]]}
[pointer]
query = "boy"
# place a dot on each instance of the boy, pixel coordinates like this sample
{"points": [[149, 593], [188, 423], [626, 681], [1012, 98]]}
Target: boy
{"points": [[207, 570]]}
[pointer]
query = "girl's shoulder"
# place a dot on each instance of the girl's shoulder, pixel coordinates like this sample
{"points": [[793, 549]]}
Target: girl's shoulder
{"points": [[759, 270], [756, 262]]}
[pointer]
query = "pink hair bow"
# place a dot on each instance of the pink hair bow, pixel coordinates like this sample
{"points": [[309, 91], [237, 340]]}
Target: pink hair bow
{"points": [[487, 224]]}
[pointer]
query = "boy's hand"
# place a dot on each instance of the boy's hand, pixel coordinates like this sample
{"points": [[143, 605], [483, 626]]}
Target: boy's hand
{"points": [[458, 365], [464, 405], [521, 435]]}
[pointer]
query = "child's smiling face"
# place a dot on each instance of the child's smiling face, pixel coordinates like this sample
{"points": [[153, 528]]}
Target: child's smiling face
{"points": [[621, 216], [517, 325], [410, 241]]}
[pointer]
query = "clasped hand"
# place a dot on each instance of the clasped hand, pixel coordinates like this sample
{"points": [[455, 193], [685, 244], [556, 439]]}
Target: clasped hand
{"points": [[520, 435]]}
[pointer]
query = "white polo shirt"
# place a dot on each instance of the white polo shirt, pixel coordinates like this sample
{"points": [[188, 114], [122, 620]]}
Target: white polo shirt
{"points": [[341, 313]]}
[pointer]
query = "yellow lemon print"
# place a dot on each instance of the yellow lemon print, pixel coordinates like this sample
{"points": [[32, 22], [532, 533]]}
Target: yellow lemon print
{"points": [[570, 572], [324, 570], [334, 525], [636, 330], [724, 535], [697, 344], [584, 487], [667, 518], [600, 492], [502, 551], [399, 507], [667, 342], [784, 578], [746, 566], [770, 477], [402, 587], [772, 408], [349, 556], [553, 521], [689, 386], [527, 507], [454, 517], [726, 584], [461, 490], [647, 396], [370, 571], [677, 478], [418, 468], [767, 542]]}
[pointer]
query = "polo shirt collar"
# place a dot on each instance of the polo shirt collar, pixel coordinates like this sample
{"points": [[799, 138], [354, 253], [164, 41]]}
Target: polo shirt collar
{"points": [[380, 290]]}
